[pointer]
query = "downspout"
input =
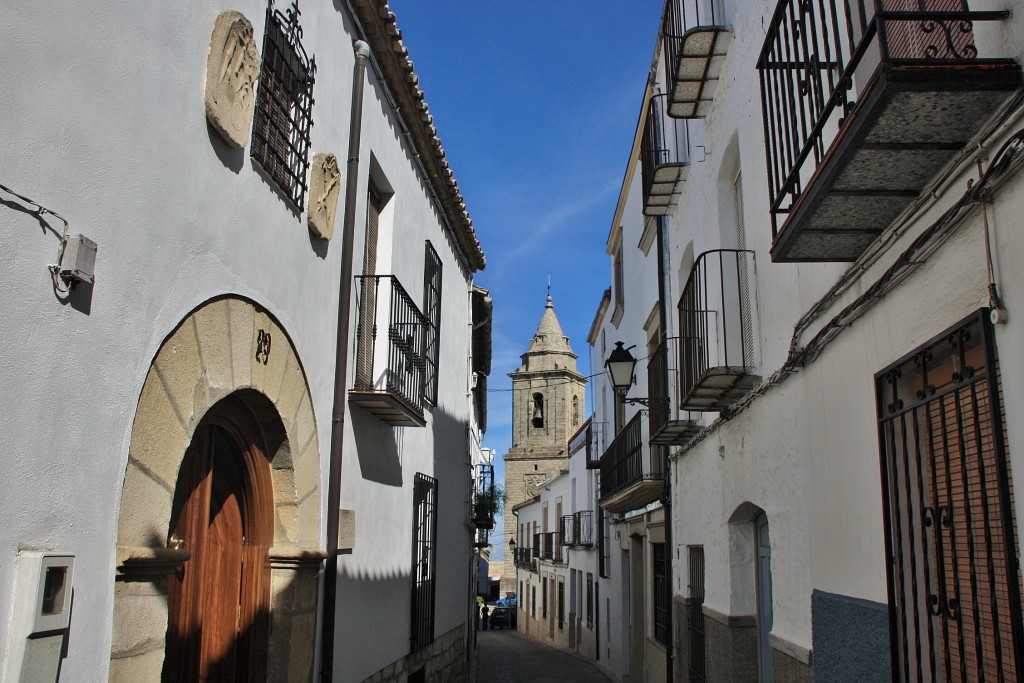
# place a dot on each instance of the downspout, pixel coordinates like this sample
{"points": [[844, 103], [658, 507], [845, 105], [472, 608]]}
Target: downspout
{"points": [[666, 496], [362, 51]]}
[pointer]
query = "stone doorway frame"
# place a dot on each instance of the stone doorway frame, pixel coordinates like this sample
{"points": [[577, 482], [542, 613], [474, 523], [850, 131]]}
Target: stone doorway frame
{"points": [[226, 346]]}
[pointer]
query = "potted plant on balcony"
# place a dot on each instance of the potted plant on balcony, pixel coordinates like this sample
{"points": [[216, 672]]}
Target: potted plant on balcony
{"points": [[487, 503]]}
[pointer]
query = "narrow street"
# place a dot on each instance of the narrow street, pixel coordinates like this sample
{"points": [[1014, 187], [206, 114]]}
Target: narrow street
{"points": [[510, 657]]}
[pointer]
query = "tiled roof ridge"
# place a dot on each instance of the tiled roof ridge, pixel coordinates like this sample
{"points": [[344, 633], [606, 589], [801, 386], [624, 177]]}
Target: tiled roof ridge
{"points": [[385, 40]]}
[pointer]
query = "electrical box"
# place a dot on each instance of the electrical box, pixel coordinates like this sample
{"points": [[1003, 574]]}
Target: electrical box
{"points": [[78, 261], [41, 618]]}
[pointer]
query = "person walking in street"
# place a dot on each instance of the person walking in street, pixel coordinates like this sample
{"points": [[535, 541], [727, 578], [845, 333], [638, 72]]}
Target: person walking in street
{"points": [[486, 617]]}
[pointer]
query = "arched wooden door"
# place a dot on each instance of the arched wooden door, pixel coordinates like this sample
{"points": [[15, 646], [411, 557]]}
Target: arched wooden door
{"points": [[218, 602]]}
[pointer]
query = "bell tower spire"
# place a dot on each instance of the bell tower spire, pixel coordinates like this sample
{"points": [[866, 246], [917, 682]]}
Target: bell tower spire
{"points": [[547, 409]]}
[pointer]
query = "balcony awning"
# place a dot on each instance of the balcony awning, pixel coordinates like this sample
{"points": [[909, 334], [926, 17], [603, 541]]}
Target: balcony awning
{"points": [[665, 188], [701, 57], [387, 407], [635, 496], [675, 433], [720, 387]]}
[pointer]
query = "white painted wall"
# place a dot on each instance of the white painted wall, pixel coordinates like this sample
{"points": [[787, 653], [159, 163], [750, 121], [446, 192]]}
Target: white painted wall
{"points": [[807, 451], [104, 124]]}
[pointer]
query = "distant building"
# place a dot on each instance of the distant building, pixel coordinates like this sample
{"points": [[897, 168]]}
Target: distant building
{"points": [[547, 407]]}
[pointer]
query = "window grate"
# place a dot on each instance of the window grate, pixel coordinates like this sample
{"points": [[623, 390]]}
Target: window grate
{"points": [[284, 105], [424, 555], [590, 600], [954, 590], [695, 632], [432, 312], [662, 607]]}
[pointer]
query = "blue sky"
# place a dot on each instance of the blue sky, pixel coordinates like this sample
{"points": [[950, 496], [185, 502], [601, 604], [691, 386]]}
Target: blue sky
{"points": [[536, 104]]}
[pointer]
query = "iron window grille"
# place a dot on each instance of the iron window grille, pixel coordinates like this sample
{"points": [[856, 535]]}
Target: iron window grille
{"points": [[432, 313], [424, 559], [954, 591], [590, 600], [604, 551], [662, 605], [561, 605], [284, 105], [695, 631]]}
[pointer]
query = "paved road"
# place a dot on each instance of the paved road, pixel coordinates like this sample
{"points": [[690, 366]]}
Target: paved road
{"points": [[510, 657]]}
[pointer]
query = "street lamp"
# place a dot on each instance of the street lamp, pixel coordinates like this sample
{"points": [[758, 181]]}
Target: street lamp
{"points": [[620, 366]]}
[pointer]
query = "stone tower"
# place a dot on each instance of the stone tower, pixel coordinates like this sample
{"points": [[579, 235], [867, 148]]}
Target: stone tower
{"points": [[547, 408]]}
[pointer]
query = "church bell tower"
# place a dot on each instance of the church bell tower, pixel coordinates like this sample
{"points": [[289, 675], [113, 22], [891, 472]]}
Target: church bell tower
{"points": [[547, 409]]}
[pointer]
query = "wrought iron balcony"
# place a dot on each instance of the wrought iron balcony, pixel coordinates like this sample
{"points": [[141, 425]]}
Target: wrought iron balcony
{"points": [[390, 367], [485, 498], [695, 42], [664, 157], [864, 102], [566, 530], [588, 438], [583, 528], [631, 474], [576, 530], [662, 385], [716, 331]]}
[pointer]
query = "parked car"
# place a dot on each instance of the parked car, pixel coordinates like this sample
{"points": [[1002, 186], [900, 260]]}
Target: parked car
{"points": [[501, 617], [506, 602]]}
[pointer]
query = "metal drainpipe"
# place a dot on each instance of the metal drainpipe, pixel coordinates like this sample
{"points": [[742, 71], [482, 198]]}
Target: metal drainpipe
{"points": [[362, 51], [666, 496]]}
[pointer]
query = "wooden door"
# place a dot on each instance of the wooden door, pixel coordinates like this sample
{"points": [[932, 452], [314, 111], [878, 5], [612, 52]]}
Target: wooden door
{"points": [[218, 602]]}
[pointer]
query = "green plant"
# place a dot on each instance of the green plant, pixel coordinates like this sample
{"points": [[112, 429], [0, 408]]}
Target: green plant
{"points": [[487, 504]]}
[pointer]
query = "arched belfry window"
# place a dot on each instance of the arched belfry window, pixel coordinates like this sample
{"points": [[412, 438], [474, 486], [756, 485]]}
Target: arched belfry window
{"points": [[538, 410]]}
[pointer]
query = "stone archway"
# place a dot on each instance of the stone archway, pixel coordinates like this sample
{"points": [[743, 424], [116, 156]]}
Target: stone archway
{"points": [[226, 347]]}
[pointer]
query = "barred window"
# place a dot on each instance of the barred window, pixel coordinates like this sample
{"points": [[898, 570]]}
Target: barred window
{"points": [[590, 600], [661, 596], [432, 312], [284, 105], [424, 538]]}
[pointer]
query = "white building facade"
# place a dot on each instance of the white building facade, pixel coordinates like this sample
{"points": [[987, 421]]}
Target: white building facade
{"points": [[191, 195], [814, 265]]}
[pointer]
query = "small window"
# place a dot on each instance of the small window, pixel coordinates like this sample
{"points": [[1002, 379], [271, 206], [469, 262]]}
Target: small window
{"points": [[538, 411], [284, 105], [575, 410]]}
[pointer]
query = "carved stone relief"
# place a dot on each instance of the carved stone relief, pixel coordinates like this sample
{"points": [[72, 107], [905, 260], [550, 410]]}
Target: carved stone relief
{"points": [[231, 70], [324, 187]]}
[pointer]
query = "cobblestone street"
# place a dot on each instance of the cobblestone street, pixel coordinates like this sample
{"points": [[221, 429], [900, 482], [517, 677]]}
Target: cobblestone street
{"points": [[510, 657]]}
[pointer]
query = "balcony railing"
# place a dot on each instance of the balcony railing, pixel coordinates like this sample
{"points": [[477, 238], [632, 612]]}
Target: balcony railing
{"points": [[577, 529], [696, 42], [548, 546], [588, 439], [864, 102], [484, 498], [667, 427], [566, 530], [390, 352], [664, 157], [524, 559], [716, 331], [629, 480]]}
